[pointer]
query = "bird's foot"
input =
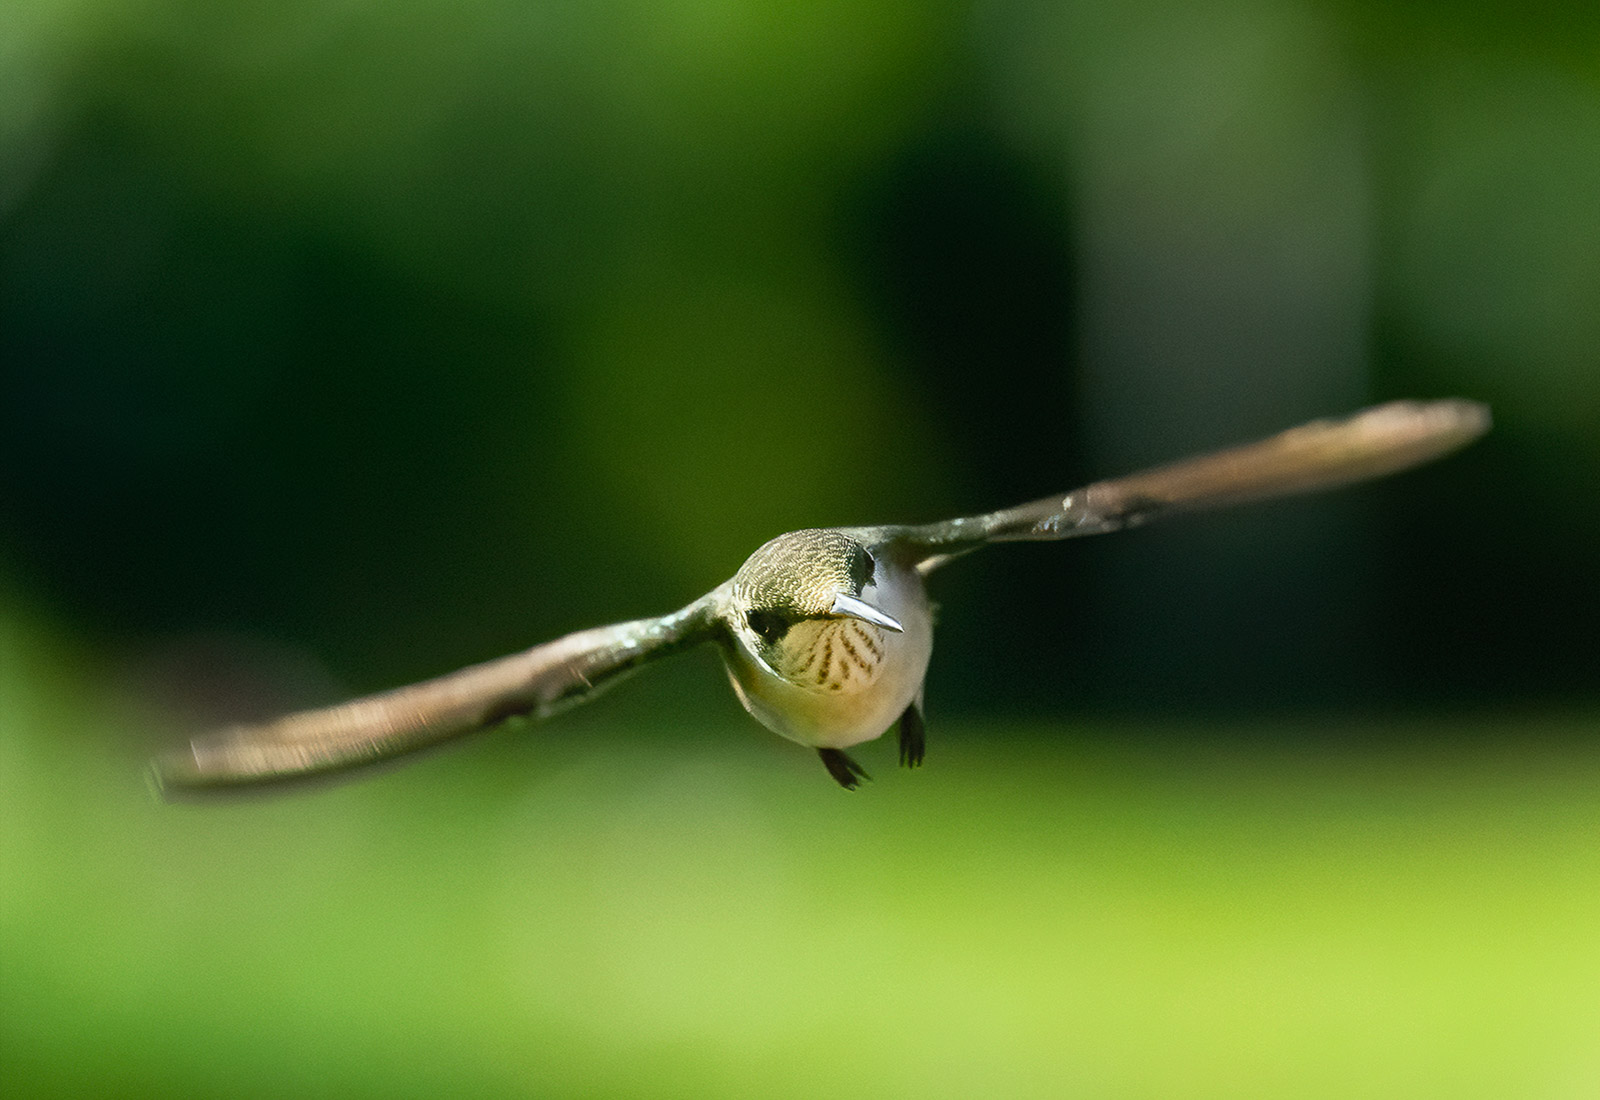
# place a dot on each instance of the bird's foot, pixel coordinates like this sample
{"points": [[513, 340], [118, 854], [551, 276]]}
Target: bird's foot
{"points": [[911, 737], [845, 771]]}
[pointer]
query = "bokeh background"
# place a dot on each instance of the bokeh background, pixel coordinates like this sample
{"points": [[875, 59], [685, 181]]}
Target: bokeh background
{"points": [[344, 343]]}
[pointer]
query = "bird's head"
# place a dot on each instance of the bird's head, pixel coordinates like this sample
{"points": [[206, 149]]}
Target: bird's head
{"points": [[803, 577]]}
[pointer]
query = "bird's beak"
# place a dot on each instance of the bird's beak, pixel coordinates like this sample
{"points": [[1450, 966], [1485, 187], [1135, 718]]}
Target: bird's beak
{"points": [[850, 607]]}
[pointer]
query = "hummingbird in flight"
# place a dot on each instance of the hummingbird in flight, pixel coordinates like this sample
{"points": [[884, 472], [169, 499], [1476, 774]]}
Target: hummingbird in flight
{"points": [[826, 633]]}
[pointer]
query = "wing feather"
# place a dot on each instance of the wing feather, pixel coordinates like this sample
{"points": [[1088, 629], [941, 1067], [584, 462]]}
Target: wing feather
{"points": [[1320, 455], [536, 682]]}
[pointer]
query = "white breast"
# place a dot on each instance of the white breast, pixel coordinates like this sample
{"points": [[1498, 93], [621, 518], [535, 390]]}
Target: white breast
{"points": [[837, 682]]}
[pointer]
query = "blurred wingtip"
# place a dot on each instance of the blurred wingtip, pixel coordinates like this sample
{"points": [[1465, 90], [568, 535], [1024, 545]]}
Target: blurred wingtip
{"points": [[195, 771], [154, 782], [1413, 432], [174, 773], [1460, 417]]}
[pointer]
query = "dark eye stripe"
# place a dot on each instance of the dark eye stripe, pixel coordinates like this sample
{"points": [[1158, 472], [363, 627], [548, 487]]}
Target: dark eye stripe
{"points": [[862, 568], [768, 626]]}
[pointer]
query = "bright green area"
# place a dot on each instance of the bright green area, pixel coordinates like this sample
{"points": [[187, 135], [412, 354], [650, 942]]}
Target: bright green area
{"points": [[583, 911]]}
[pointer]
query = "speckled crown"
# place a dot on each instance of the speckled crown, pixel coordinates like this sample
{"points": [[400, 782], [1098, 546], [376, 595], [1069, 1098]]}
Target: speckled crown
{"points": [[800, 573]]}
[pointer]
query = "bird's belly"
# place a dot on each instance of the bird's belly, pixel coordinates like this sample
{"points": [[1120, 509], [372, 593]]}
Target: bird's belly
{"points": [[841, 681]]}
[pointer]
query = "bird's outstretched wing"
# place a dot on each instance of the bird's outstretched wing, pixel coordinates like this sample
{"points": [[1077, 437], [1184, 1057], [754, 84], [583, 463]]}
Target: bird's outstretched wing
{"points": [[1320, 455], [537, 682]]}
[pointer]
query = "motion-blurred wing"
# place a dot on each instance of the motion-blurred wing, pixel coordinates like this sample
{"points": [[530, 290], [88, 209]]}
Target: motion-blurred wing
{"points": [[537, 682], [1320, 455]]}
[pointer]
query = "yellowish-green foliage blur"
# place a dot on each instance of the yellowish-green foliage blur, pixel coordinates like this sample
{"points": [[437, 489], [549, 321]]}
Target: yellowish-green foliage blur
{"points": [[671, 911]]}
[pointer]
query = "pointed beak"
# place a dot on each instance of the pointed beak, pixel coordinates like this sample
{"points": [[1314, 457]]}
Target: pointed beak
{"points": [[850, 607]]}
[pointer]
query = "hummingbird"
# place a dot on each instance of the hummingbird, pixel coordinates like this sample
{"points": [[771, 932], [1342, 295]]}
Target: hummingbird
{"points": [[826, 633]]}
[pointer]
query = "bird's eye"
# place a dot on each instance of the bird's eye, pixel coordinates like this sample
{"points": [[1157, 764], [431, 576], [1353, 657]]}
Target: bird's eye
{"points": [[863, 568], [769, 626]]}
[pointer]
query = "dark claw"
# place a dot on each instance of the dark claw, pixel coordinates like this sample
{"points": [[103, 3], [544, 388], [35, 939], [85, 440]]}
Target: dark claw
{"points": [[845, 771], [911, 737]]}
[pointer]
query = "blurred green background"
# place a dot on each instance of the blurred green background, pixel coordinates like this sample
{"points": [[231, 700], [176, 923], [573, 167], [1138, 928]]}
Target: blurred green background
{"points": [[342, 344]]}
